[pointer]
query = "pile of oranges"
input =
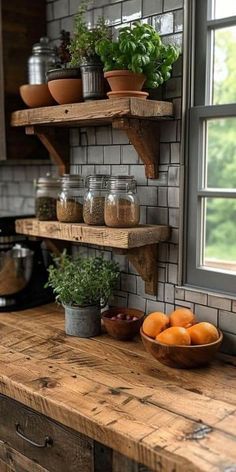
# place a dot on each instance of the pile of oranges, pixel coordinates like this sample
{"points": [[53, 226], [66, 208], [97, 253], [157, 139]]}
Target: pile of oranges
{"points": [[179, 328]]}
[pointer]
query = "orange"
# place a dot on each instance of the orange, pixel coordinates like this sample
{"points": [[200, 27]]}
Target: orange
{"points": [[203, 333], [155, 323], [182, 317], [174, 335]]}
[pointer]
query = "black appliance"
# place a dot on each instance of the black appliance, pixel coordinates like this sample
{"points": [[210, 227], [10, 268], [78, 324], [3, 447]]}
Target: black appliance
{"points": [[23, 269]]}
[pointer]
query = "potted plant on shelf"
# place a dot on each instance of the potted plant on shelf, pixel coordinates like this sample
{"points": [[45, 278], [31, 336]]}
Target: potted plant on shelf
{"points": [[83, 53], [83, 286], [137, 58], [64, 82]]}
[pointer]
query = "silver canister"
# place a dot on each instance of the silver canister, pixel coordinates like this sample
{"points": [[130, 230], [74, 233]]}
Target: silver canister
{"points": [[43, 59]]}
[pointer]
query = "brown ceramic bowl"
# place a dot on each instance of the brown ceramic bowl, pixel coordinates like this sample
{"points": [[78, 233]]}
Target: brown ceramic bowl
{"points": [[36, 95], [122, 329], [66, 90], [181, 357]]}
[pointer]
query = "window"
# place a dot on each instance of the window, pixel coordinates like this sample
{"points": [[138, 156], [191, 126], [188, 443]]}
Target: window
{"points": [[211, 200]]}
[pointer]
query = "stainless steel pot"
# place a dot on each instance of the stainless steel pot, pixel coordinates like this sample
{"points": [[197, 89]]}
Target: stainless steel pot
{"points": [[16, 267]]}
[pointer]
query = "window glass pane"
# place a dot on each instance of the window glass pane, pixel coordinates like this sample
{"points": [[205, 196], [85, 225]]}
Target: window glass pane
{"points": [[224, 60], [224, 8], [220, 234], [221, 153]]}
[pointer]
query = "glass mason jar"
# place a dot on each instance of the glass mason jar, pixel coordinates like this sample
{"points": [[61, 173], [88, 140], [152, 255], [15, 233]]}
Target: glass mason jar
{"points": [[47, 189], [122, 204], [70, 199], [94, 200]]}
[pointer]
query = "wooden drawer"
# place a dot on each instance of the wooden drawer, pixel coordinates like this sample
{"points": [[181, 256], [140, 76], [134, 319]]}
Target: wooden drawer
{"points": [[66, 451]]}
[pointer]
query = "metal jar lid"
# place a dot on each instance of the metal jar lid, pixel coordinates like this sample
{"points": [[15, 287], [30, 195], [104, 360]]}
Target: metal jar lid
{"points": [[122, 182], [44, 182], [72, 181], [97, 181], [43, 47]]}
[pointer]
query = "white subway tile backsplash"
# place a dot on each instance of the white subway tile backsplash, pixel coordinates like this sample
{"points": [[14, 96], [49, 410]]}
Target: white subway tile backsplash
{"points": [[128, 283], [113, 14], [95, 155], [131, 10], [135, 301], [61, 8], [206, 313], [196, 297], [227, 321], [103, 135], [152, 7], [172, 4], [129, 155], [111, 154], [219, 302], [155, 306], [106, 150]]}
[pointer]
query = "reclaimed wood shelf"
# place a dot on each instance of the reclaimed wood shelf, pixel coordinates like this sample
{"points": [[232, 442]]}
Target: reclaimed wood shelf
{"points": [[114, 392], [139, 244], [137, 117]]}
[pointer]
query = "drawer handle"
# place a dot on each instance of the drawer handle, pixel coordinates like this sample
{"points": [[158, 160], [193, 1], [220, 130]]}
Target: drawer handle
{"points": [[47, 441]]}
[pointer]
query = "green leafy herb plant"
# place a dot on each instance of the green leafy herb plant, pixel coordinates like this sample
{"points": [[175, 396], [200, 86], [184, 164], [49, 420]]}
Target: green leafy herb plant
{"points": [[139, 49], [82, 282], [83, 44]]}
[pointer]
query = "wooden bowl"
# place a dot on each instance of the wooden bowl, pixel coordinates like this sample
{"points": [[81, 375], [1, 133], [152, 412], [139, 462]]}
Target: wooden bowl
{"points": [[181, 357], [36, 95], [66, 90], [122, 329]]}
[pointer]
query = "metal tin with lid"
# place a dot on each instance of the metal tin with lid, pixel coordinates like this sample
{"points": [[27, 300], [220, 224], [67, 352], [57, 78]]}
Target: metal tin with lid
{"points": [[43, 58], [94, 199], [70, 199], [121, 204], [47, 189]]}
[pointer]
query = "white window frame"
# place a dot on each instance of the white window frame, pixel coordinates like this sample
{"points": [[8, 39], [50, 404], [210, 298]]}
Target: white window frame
{"points": [[200, 39]]}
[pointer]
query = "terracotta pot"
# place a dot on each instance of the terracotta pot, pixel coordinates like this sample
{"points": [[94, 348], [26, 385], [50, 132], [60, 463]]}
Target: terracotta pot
{"points": [[124, 80], [127, 93], [36, 95], [66, 90]]}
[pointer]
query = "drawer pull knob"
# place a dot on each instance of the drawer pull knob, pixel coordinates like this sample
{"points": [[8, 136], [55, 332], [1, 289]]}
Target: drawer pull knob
{"points": [[47, 441]]}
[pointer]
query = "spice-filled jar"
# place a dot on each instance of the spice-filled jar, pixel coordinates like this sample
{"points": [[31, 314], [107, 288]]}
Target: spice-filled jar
{"points": [[70, 199], [121, 204], [94, 200], [47, 189]]}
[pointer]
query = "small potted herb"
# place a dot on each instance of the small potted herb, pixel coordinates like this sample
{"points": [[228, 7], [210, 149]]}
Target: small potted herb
{"points": [[65, 83], [83, 286], [136, 58], [83, 53]]}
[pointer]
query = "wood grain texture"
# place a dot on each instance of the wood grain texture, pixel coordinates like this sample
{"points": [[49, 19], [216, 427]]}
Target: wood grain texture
{"points": [[124, 238], [91, 113], [115, 393], [16, 462], [69, 451]]}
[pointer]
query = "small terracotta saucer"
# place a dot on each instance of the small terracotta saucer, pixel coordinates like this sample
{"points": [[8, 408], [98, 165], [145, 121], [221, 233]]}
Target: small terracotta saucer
{"points": [[127, 93]]}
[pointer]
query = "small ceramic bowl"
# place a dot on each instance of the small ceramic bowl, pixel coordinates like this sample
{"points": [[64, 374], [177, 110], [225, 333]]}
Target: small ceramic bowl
{"points": [[36, 95], [121, 328], [66, 90], [181, 357]]}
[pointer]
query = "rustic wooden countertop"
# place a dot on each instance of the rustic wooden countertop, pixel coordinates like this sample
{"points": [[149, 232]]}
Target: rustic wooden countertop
{"points": [[170, 420]]}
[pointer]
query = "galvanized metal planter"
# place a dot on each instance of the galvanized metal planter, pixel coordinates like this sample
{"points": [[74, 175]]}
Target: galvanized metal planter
{"points": [[84, 322]]}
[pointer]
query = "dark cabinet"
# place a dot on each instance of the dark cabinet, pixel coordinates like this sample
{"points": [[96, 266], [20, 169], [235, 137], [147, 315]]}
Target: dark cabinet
{"points": [[22, 22]]}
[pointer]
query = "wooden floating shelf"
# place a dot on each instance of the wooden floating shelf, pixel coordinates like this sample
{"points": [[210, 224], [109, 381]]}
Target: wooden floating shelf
{"points": [[139, 244], [137, 117]]}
